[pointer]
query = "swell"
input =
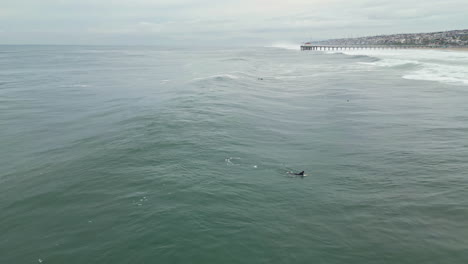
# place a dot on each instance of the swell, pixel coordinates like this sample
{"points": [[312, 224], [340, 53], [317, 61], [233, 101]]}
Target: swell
{"points": [[432, 65]]}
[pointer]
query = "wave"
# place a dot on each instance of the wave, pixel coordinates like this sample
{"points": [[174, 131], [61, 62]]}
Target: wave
{"points": [[287, 46], [363, 56], [448, 67], [445, 74], [233, 75], [392, 63], [218, 77]]}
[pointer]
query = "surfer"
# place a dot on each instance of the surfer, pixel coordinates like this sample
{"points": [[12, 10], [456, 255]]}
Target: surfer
{"points": [[300, 173]]}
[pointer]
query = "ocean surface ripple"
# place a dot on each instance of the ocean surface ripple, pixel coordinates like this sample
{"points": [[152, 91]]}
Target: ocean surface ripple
{"points": [[152, 155]]}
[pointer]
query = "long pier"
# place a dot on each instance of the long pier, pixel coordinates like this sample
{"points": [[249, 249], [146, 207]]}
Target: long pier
{"points": [[353, 47]]}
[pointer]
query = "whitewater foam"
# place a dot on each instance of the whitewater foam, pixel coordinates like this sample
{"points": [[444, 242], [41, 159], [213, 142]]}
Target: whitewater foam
{"points": [[283, 45], [391, 62], [449, 67], [445, 74]]}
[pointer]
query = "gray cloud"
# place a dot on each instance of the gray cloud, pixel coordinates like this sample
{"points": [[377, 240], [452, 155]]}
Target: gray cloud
{"points": [[227, 22]]}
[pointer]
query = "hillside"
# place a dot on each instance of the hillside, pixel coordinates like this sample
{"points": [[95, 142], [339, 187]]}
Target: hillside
{"points": [[453, 38]]}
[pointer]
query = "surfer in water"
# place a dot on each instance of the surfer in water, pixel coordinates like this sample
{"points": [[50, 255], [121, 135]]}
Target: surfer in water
{"points": [[301, 174]]}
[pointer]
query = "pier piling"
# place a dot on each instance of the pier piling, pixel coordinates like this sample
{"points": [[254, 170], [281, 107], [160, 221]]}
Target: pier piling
{"points": [[354, 47]]}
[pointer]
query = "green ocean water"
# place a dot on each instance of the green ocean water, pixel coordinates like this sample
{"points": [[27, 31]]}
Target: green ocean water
{"points": [[154, 155]]}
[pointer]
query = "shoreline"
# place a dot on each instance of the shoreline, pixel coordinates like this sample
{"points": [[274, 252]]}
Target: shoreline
{"points": [[455, 49], [451, 48]]}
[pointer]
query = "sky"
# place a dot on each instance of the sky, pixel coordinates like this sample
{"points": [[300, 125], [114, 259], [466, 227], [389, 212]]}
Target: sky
{"points": [[215, 22]]}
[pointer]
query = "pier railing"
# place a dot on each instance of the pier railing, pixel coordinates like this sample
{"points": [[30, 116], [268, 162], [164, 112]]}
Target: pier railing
{"points": [[352, 47]]}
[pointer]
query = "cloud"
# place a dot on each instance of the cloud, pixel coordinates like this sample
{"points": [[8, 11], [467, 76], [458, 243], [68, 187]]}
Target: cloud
{"points": [[248, 21], [141, 27]]}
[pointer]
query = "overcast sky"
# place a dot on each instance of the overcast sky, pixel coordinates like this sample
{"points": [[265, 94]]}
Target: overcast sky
{"points": [[224, 22]]}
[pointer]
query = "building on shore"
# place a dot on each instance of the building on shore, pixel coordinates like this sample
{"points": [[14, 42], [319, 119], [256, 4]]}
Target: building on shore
{"points": [[453, 38]]}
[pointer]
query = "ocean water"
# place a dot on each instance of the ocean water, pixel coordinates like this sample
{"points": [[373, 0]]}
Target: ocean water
{"points": [[160, 155]]}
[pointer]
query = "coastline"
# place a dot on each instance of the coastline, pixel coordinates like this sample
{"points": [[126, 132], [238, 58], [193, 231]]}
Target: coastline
{"points": [[451, 48], [464, 49], [457, 49]]}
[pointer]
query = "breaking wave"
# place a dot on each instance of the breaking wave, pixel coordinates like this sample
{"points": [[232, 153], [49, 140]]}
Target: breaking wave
{"points": [[445, 66], [288, 46]]}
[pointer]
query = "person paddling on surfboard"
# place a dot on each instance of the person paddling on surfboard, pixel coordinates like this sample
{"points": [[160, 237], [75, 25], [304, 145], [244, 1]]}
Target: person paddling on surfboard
{"points": [[300, 173]]}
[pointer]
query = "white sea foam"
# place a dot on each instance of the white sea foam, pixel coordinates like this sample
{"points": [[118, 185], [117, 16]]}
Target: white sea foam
{"points": [[391, 62], [445, 74], [432, 65], [232, 160], [285, 45]]}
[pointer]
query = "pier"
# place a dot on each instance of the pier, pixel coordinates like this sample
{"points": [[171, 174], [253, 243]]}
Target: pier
{"points": [[355, 47]]}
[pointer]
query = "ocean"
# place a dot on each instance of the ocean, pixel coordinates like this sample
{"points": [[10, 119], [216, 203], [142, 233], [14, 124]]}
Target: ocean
{"points": [[171, 155]]}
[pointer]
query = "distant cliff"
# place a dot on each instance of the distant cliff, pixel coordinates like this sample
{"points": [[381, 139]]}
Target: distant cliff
{"points": [[453, 38]]}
